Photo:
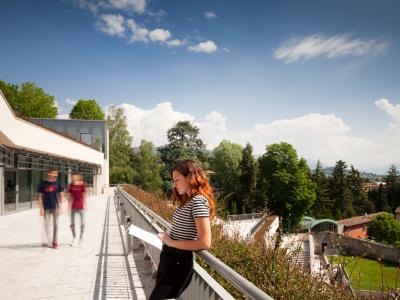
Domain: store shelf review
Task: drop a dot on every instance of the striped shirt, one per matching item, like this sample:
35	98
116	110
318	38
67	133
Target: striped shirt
183	224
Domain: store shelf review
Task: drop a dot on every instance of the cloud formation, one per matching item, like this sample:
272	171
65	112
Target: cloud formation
204	47
138	6
210	15
315	45
112	24
315	136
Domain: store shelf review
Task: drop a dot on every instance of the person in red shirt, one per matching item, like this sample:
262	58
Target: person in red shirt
77	204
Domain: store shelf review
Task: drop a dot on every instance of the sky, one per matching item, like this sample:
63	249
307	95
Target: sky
321	75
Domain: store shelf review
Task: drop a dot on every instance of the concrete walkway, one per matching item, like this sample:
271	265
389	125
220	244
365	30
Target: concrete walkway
97	270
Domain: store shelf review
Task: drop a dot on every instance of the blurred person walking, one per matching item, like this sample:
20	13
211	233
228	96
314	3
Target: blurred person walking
77	204
50	200
190	230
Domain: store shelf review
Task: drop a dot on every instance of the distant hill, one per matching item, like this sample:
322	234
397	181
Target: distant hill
371	176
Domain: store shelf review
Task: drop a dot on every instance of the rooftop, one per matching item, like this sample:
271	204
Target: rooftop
358	220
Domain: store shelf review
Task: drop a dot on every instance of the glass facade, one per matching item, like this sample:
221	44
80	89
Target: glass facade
90	132
24	172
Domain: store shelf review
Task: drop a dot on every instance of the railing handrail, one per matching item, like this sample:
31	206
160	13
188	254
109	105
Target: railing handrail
244	216
241	283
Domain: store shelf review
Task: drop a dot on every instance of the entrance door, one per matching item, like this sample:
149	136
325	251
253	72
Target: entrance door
10	191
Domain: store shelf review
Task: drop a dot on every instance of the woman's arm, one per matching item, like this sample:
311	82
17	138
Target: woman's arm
203	232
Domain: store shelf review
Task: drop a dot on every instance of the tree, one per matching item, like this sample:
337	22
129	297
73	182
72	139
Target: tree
147	164
183	143
33	102
10	91
120	147
385	228
340	194
225	163
392	180
86	110
379	198
361	203
284	179
247	180
322	207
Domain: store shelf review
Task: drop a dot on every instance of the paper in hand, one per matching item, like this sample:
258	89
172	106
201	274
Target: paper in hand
148	237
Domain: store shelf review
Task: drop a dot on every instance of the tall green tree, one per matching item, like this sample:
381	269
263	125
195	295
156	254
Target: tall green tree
392	180
10	91
225	163
183	143
322	207
379	198
120	147
361	203
34	102
284	178
87	110
340	193
247	181
147	166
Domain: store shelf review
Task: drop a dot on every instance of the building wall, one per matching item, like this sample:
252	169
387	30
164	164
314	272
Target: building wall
1	189
352	246
357	231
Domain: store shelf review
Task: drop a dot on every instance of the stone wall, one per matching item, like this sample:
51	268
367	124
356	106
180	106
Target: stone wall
351	246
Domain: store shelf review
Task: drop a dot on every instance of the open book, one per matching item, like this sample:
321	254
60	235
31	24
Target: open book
145	236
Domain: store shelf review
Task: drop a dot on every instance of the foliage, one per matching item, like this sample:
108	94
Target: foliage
273	271
247	182
146	162
340	193
322	207
225	163
284	180
183	143
120	147
392	180
385	228
361	203
87	110
10	91
29	100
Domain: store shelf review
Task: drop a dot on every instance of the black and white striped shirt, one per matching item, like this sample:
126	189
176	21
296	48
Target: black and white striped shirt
183	224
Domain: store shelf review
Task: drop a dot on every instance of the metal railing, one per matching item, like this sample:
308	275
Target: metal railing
202	286
244	217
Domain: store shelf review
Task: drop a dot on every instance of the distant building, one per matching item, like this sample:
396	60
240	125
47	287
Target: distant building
356	227
369	186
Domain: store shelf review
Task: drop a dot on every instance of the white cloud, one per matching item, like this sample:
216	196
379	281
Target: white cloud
152	124
71	101
393	110
112	24
174	43
159	35
210	15
138	6
204	47
318	45
314	136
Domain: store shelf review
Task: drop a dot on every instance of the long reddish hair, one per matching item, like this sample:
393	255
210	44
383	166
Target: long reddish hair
198	183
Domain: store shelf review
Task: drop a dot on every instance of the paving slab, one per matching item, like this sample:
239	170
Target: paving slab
99	269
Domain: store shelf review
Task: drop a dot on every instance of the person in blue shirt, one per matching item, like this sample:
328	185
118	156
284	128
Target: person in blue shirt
50	197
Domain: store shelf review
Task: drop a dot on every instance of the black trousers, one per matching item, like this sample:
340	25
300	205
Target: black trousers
174	273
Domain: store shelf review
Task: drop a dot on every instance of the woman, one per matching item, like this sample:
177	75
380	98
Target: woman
77	198
190	230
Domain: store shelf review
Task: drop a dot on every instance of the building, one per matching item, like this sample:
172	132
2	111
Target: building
28	150
356	227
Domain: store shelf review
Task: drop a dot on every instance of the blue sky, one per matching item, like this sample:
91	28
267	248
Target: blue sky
321	75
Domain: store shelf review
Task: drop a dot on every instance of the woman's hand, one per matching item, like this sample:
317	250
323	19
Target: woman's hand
165	238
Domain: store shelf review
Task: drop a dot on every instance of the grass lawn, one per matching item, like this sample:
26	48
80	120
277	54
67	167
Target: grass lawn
366	274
